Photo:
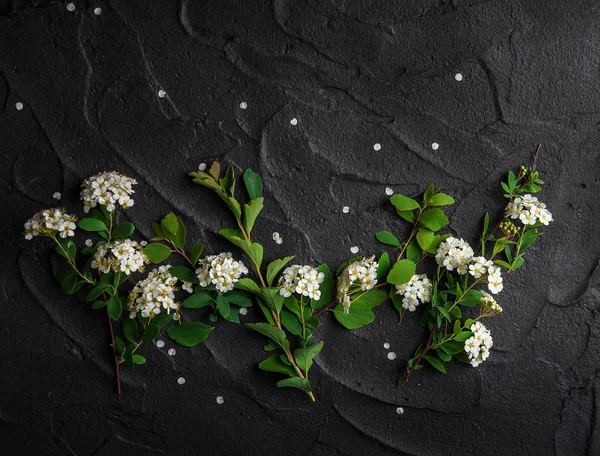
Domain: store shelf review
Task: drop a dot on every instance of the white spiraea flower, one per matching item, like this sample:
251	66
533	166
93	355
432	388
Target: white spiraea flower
221	270
302	280
107	189
478	346
50	222
358	276
120	256
154	294
529	210
489	305
454	254
416	291
495	280
188	286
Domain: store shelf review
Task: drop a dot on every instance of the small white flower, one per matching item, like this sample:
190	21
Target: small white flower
357	276
416	291
529	210
154	295
478	346
50	222
221	270
107	189
454	254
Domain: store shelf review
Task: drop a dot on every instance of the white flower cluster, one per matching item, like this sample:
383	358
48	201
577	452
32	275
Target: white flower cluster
360	275
478	346
480	266
221	270
489	303
416	291
303	280
49	222
453	254
153	294
107	189
529	210
120	256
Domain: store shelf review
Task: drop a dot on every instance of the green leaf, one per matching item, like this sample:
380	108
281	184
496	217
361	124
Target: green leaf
304	356
169	225
69	247
518	262
139	359
251	211
413	251
499	245
252	249
123	230
403	203
385	237
296	382
198	300
327	288
253	183
441	199
371	298
183	273
313	322
157	253
250	285
424	238
396	300
528	238
91	224
119	345
97	305
274	364
429	193
114	308
189	333
409	216
68	279
97	291
129	328
157	230
239	299
228	181
402	272
128	355
275	334
435	363
223	306
444	312
462	336
358	316
275	266
443	355
486	224
179	237
273	299
435	244
512	181
383	265
290	322
215	170
160	320
434	219
233	315
150	332
196	252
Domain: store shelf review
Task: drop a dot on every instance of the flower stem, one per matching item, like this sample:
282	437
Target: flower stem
114	348
73	266
423	353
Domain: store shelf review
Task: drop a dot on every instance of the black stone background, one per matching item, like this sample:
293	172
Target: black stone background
353	74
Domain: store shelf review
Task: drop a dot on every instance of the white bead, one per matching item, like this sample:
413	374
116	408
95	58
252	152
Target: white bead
172	352
458	77
399	410
160	343
389	191
354	249
345	209
57	195
391	355
89	242
220	400
181	380
279	241
162	93
377	146
243	105
435	146
386	345
243	311
294	121
70	6
202	166
98	11
19	105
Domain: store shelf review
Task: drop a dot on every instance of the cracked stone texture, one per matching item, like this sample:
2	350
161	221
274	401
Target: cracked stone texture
354	73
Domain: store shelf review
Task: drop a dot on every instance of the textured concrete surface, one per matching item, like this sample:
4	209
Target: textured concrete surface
353	74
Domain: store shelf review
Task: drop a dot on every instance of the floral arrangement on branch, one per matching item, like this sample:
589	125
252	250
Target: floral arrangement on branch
459	291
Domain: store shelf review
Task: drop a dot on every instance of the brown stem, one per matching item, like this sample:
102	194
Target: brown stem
182	253
401	317
423	353
326	308
112	337
412	234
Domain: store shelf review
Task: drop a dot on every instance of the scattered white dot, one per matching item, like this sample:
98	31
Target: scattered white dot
160	343
279	241
19	105
389	191
458	77
172	352
243	311
345	209
399	410
377	146
143	243
202	166
70	6
181	380
243	105
220	400
435	146
57	195
98	11
294	121
391	355
89	242
162	93
354	249
386	345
